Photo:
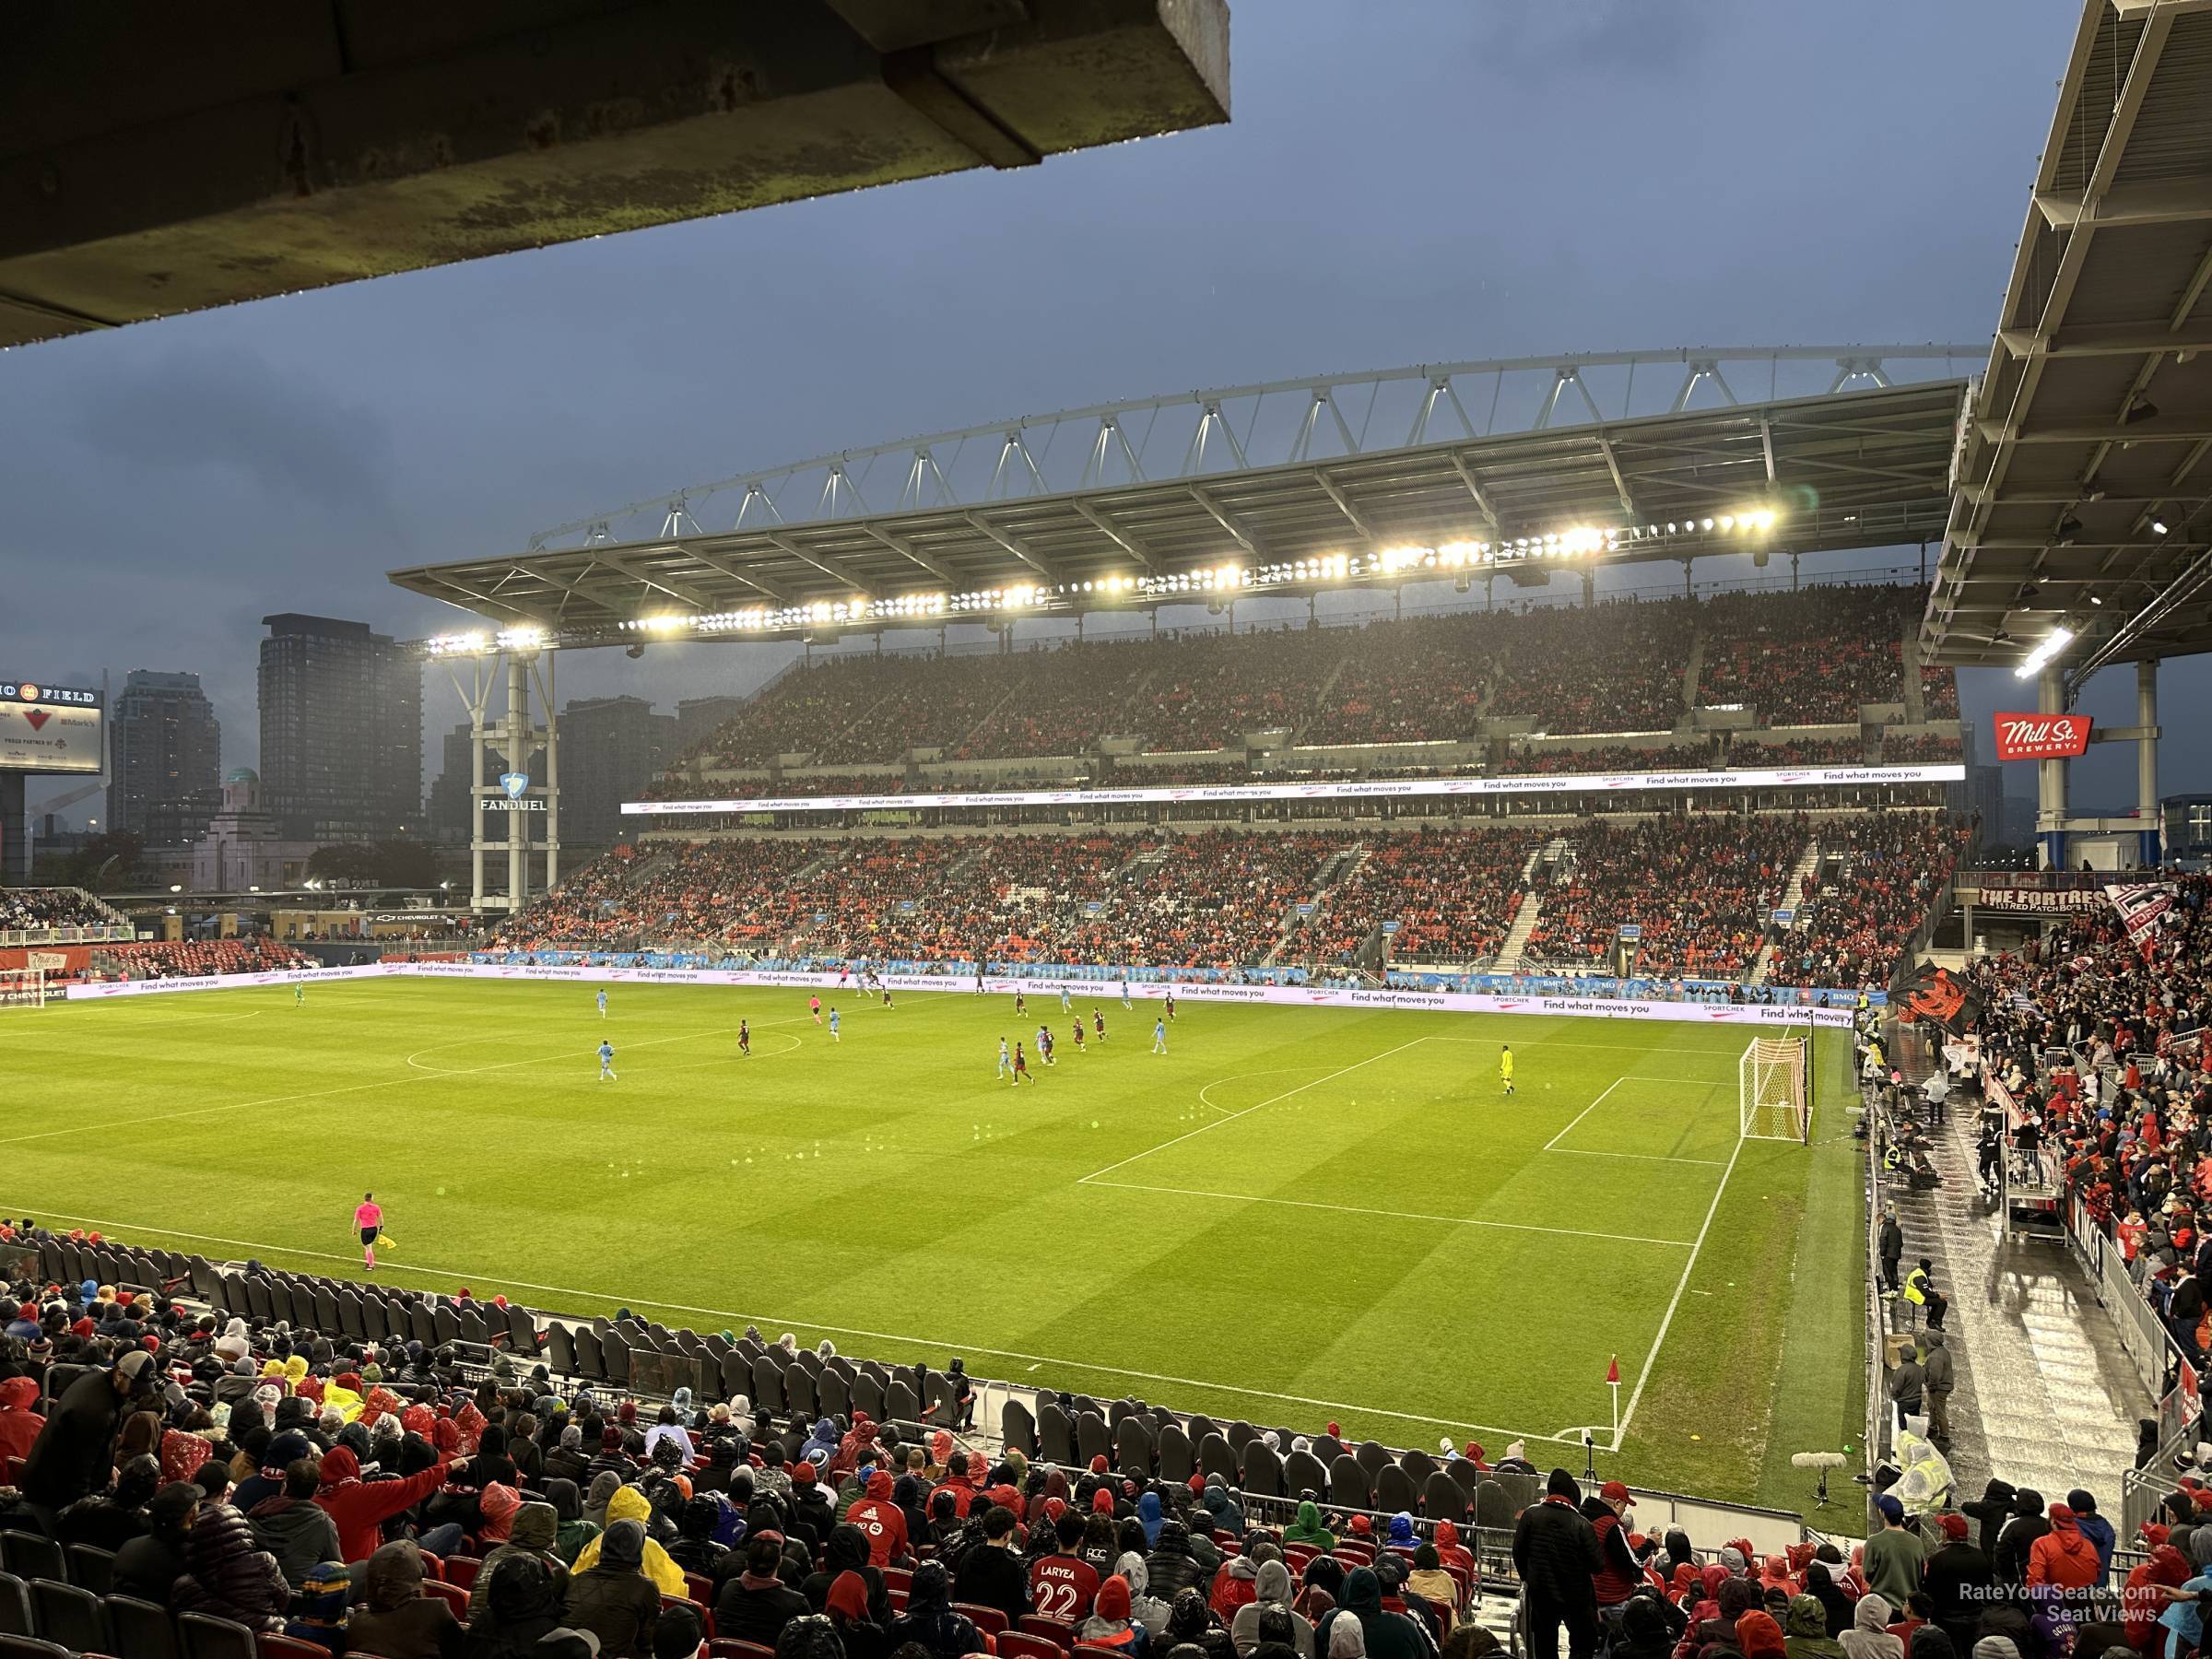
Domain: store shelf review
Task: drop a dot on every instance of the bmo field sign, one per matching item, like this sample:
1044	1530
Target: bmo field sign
49	728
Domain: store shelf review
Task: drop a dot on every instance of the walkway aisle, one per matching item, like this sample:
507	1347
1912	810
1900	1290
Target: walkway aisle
2045	1398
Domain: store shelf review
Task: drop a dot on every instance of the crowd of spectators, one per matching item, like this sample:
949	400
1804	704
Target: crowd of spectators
1922	748
192	959
1453	896
50	907
1616	667
1413	681
360	1497
1621	666
1889	870
2102	1045
1697	887
1219	899
1811	657
1609	758
1748	754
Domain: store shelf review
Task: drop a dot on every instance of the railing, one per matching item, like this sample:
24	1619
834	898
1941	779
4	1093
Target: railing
105	933
1879	1418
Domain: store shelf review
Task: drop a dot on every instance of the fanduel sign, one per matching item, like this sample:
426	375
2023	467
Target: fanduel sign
515	797
2041	736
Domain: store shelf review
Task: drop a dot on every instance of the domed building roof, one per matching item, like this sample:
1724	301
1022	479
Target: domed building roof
241	774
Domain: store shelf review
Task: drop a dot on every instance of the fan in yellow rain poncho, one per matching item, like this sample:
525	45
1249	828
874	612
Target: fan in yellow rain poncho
629	1505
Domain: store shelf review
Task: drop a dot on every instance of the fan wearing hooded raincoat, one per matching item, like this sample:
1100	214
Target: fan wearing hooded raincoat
1925	1487
1870	1637
627	1504
1272	1589
1306	1529
1806	1636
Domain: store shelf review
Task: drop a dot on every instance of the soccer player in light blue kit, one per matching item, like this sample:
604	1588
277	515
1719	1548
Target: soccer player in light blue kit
1005	1060
833	1036
1125	993
1067	1003
1159	1036
602	1001
606	1061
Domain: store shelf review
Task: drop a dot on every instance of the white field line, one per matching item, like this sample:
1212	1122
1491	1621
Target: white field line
1359	1209
1232	1117
446	1275
1271	1071
1552	1144
1652	1358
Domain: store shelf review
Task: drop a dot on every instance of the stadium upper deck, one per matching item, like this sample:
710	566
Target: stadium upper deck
1818	657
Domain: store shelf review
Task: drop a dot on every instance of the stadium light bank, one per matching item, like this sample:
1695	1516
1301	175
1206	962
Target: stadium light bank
2033	662
1206	583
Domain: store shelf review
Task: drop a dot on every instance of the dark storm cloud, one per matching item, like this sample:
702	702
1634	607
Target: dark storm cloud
199	414
1401	184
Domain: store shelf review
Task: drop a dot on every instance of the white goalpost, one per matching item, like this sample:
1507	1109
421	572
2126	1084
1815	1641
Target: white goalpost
1770	1090
22	987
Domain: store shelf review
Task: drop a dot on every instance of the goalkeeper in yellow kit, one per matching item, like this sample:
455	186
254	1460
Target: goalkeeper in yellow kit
1505	1066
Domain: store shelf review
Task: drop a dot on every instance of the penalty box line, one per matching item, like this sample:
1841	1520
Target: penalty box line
1553	1144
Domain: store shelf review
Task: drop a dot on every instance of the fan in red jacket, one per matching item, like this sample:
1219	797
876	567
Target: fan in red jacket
2063	1556
882	1521
361	1507
19	1425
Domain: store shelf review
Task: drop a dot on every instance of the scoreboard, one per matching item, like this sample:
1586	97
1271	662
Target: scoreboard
48	728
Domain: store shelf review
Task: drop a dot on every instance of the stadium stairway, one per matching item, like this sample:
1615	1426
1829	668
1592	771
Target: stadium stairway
2047	1397
1916	701
1802	871
1320	698
1516	937
1693	670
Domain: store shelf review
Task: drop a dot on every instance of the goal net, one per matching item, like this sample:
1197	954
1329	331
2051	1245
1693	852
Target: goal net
1769	1086
22	987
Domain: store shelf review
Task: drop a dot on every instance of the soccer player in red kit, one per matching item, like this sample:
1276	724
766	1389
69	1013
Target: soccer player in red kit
1098	1025
744	1038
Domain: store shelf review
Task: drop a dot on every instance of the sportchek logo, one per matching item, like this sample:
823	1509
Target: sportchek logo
2041	736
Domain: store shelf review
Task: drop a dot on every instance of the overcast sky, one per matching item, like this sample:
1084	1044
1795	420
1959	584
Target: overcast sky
1401	184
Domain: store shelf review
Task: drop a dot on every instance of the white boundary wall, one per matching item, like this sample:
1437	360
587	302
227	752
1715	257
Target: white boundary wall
1439	1002
1377	789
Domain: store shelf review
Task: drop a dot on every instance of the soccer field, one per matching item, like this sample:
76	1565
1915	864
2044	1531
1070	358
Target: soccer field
1294	1215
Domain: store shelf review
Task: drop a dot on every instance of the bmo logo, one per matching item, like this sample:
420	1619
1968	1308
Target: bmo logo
2041	736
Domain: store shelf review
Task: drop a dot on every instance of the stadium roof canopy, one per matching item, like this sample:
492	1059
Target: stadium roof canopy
1281	488
2083	483
158	158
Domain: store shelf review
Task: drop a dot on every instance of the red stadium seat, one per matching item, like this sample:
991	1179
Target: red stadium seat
453	1595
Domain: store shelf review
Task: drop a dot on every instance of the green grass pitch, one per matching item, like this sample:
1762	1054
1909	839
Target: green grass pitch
1295	1215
